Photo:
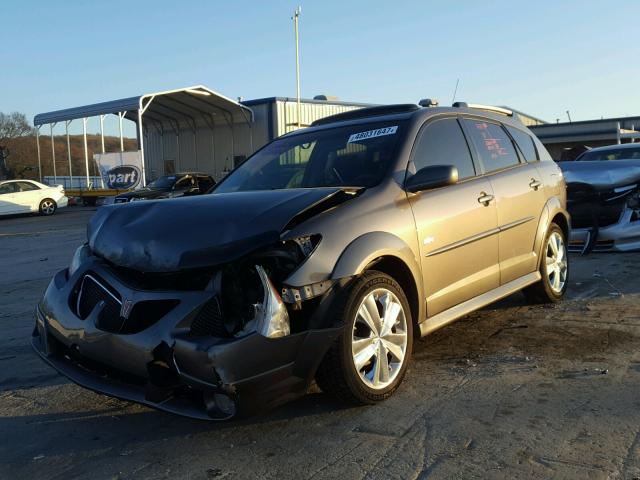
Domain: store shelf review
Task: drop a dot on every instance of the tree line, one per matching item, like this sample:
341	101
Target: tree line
19	154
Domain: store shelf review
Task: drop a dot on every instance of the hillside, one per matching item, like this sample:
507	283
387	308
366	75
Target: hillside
23	153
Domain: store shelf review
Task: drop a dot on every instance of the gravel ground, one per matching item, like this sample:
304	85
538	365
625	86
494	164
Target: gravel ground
512	391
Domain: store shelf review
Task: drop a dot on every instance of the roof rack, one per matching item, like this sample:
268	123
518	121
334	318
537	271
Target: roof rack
367	112
488	108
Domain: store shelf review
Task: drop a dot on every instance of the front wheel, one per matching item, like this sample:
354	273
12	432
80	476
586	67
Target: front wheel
554	269
48	207
368	361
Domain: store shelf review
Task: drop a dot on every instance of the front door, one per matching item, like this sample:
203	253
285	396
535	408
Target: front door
457	224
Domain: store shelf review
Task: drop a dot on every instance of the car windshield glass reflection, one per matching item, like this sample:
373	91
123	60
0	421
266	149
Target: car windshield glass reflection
613	154
163	183
358	156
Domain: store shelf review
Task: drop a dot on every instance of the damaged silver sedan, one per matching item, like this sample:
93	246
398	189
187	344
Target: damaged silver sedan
603	198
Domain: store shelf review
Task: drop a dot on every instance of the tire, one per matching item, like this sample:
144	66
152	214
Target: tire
48	207
337	374
553	285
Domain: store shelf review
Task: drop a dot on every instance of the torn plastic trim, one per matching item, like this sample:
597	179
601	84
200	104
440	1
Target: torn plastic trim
294	295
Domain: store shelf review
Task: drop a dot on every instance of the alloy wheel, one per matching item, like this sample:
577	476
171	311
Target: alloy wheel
556	259
48	207
379	338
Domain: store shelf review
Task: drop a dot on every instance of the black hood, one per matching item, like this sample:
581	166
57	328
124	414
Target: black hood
201	231
602	174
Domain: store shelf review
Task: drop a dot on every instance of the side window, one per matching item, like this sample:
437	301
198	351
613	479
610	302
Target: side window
26	186
525	144
185	182
493	144
7	188
443	143
205	183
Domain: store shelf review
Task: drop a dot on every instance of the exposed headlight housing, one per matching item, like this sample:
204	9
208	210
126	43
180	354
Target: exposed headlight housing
82	253
272	318
307	243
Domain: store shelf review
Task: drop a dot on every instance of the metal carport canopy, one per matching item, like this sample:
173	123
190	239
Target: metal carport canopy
167	108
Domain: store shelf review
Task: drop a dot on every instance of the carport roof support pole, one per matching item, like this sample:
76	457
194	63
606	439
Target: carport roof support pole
38	149
102	140
86	150
120	115
66	128
141	110
53	153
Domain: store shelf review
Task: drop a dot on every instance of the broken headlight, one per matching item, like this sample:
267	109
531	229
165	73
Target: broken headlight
250	287
81	254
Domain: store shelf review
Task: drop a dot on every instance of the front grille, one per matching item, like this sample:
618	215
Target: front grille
144	314
589	208
92	292
600	246
209	321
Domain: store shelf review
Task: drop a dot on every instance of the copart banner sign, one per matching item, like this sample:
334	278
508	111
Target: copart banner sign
120	170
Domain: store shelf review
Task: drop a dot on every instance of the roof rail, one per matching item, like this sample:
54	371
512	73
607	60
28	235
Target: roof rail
367	112
488	108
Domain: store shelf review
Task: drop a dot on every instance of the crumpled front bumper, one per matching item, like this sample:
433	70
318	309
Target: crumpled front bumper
622	236
165	366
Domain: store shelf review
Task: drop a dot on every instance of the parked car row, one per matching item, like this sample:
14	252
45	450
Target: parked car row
322	256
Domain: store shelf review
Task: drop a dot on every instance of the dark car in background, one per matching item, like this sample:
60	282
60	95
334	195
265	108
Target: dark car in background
171	186
603	198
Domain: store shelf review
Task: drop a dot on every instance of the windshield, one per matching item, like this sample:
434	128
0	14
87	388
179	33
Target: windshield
163	183
611	154
358	156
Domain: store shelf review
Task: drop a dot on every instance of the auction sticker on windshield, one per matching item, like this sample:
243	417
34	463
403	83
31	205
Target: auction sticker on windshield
378	132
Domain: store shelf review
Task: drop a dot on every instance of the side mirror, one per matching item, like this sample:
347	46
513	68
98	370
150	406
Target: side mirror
434	176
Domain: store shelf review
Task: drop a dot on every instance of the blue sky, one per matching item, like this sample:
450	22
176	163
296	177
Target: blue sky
542	57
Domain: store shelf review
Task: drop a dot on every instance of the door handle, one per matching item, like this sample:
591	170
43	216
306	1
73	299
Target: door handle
485	199
535	184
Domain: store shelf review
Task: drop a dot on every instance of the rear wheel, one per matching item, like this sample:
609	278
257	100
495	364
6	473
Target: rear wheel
368	361
554	269
48	207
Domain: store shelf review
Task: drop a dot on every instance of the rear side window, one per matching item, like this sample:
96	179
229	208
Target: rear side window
525	144
443	143
493	145
26	186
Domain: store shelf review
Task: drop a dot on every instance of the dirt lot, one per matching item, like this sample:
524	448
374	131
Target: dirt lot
513	391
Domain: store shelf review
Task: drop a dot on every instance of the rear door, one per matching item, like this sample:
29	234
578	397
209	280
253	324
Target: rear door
519	195
28	196
456	231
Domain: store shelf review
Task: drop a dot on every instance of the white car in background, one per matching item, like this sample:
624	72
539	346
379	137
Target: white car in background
25	196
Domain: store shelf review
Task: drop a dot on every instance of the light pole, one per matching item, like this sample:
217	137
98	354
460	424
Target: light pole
296	14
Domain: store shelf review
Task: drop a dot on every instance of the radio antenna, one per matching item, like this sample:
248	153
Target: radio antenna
455	91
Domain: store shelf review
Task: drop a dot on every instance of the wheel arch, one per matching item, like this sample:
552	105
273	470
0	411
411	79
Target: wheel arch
553	212
385	252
